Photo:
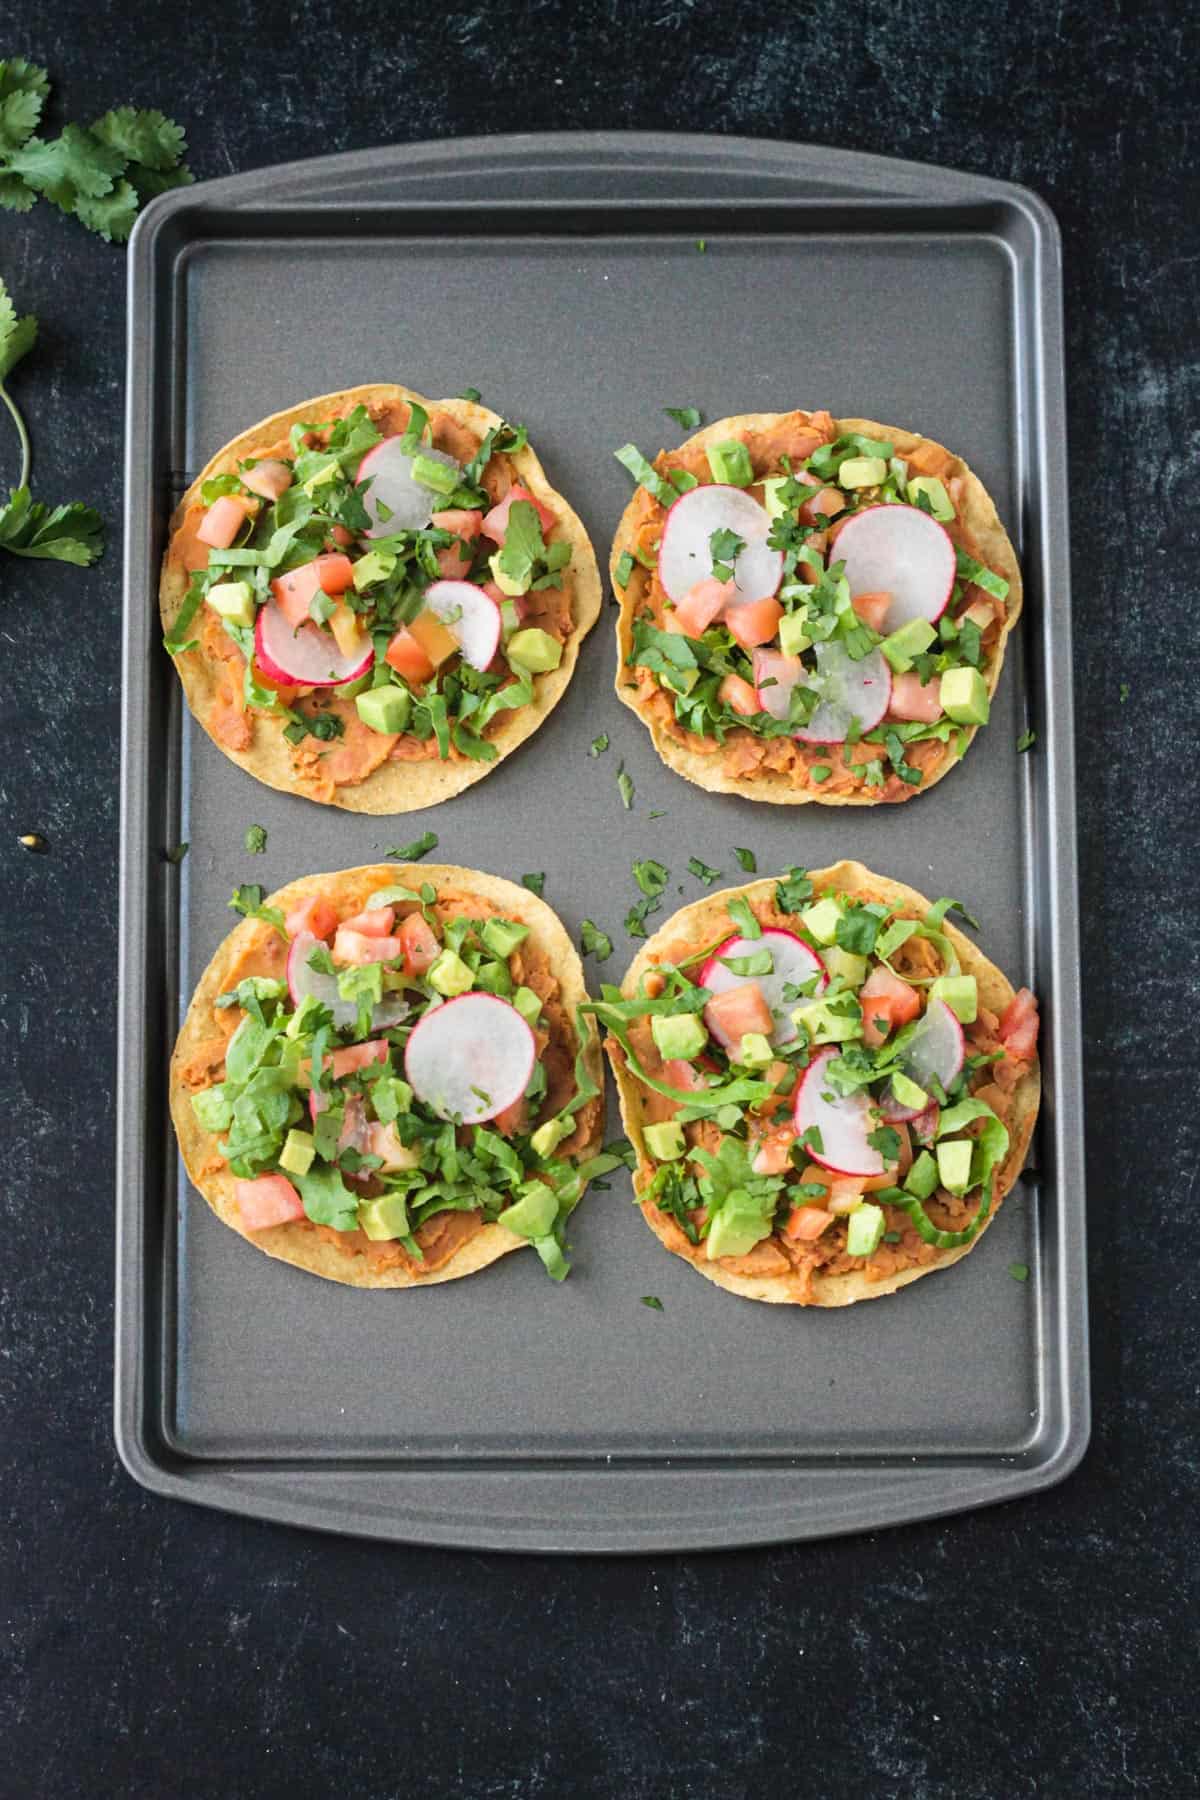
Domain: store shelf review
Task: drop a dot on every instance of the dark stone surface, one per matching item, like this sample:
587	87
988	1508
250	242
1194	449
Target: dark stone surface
1046	1648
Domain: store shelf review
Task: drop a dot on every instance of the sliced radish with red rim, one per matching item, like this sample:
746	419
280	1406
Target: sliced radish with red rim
394	500
307	656
685	555
844	1121
780	673
936	1049
904	552
795	965
302	980
851	690
471	615
471	1058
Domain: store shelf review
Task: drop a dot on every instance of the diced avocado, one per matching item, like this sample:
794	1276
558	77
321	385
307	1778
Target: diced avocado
755	1051
681	1037
527	1004
961	994
830	1021
908	1093
922	1178
964	696
213	1108
730	463
935	493
350	690
508	584
533	1215
793	632
864	1230
502	936
494	978
534	649
821	920
665	1141
232	600
384	708
844	966
907	642
549	1136
862	472
737	1226
771	500
386	1217
954	1164
375	566
450	975
438	477
297	1153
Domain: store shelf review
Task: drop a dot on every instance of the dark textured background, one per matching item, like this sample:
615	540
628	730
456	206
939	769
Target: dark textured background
1046	1648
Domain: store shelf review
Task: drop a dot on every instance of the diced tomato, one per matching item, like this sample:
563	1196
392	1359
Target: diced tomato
981	612
356	947
268	479
739	1010
885	997
914	699
513	1119
738	694
496	523
829	501
377	922
338	534
1019	1025
314	914
754	621
683	1075
456	559
773	1154
223	520
806	1223
872	608
268	1200
436	640
406	656
357	1056
418	943
331	573
699	607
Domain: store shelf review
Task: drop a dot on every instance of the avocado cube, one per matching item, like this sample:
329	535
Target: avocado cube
865	1230
678	1038
907	642
438	477
549	1136
665	1141
450	975
908	1093
954	1164
508	584
862	472
821	920
232	600
730	463
755	1051
775	506
297	1153
384	708
375	566
386	1217
964	697
494	978
961	995
527	1004
935	493
825	1025
533	1215
844	966
535	650
737	1226
793	633
502	937
922	1178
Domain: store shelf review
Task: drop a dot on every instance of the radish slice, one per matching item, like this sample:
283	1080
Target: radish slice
685	557
471	1058
849	690
472	616
895	1111
781	673
924	1127
302	980
843	1120
410	506
305	657
905	551
936	1049
794	964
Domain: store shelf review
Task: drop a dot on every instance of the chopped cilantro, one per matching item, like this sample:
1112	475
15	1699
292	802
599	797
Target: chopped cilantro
739	911
703	871
525	556
472	394
1019	1271
702	245
793	890
886	1139
256	839
1027	740
820	772
598	745
625	784
595	942
413	852
535	883
624	569
177	854
687	416
656	815
653	1302
651	877
724	547
747	860
891	1237
248	900
1125	691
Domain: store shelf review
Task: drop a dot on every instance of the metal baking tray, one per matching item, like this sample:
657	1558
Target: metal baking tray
564	277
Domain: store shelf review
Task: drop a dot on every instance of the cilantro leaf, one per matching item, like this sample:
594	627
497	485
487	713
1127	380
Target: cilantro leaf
1027	740
599	744
686	416
472	394
413	852
256	839
651	877
594	941
703	871
72	534
142	137
64	167
525	556
626	788
535	883
1019	1271
793	890
747	860
17	336
111	216
652	1301
248	900
23	90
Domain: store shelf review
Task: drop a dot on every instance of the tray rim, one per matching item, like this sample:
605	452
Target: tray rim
296	1495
